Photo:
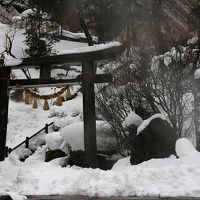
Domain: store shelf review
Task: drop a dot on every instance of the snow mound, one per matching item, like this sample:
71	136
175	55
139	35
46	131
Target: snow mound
147	121
132	119
71	108
53	140
73	134
197	74
184	148
121	163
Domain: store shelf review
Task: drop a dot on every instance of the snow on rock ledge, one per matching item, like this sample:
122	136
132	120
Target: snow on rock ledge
147	121
132	119
73	134
184	148
53	140
91	48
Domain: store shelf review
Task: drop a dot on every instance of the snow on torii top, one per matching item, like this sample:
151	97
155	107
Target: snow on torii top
88	49
9	61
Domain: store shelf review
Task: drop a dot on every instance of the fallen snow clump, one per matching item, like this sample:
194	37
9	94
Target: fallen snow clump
132	119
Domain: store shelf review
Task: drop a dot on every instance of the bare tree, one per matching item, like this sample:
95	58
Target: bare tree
147	86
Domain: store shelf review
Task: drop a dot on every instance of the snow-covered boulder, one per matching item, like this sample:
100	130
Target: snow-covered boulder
53	140
132	119
73	134
184	148
156	139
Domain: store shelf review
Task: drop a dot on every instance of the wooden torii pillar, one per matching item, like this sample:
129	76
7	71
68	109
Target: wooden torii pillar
4	99
88	78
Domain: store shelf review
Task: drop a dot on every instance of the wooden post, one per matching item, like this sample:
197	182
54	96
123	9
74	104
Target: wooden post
6	152
196	89
4	94
89	116
46	128
27	143
45	72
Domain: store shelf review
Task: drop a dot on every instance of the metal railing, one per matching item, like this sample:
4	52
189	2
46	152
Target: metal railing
26	141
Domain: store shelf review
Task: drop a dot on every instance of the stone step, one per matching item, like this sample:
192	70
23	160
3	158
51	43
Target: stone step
43	197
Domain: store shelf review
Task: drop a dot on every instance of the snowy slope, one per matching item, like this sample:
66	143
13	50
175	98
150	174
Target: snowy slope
23	120
19	46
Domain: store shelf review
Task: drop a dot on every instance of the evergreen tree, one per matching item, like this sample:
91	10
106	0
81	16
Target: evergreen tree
107	18
39	39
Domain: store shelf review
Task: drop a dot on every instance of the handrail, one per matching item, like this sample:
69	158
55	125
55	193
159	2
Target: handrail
28	138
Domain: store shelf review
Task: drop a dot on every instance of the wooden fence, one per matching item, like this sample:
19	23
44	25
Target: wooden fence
26	141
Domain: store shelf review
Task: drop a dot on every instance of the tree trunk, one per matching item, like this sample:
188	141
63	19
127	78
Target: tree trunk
85	29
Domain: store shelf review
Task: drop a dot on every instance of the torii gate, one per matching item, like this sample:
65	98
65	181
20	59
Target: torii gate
88	78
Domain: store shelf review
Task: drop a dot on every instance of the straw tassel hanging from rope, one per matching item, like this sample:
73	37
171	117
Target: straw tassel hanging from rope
46	105
47	97
27	98
59	100
68	96
35	105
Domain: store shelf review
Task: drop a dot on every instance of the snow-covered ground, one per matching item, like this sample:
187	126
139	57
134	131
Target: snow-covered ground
157	177
167	177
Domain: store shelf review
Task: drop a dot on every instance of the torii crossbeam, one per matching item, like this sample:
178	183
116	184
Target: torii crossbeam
88	78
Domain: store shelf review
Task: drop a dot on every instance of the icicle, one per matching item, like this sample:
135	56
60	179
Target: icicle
46	105
59	100
35	105
27	98
68	96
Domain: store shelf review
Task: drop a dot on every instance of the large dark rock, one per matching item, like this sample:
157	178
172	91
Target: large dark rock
77	158
157	140
5	197
51	155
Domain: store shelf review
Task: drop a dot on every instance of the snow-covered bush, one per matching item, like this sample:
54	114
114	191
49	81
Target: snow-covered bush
171	84
149	84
